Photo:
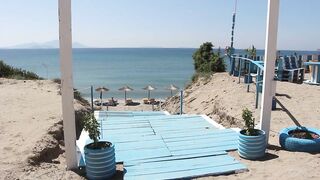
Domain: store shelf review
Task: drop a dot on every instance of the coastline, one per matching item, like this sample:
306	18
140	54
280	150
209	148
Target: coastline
31	126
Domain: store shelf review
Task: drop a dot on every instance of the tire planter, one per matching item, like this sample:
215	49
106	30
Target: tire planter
100	163
297	144
252	147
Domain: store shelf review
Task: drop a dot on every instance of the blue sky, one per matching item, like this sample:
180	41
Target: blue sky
161	23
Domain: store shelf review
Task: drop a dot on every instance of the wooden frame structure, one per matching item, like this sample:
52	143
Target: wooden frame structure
65	37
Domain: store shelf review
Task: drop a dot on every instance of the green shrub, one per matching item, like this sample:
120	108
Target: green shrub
207	61
249	121
8	71
91	125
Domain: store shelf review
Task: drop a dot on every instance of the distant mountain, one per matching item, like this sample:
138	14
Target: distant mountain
45	45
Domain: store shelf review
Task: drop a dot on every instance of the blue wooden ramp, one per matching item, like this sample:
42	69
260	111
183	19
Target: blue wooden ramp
153	145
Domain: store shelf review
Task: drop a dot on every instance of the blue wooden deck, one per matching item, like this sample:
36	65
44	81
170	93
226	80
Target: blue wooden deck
153	145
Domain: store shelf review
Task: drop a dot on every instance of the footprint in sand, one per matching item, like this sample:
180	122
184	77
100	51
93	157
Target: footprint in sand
8	148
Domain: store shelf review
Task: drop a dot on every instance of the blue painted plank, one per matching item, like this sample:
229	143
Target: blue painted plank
128	131
105	134
184	152
133	138
201	141
174	124
182	127
131	155
169	135
200	146
204	136
174	157
192	173
140	145
179	165
185	130
125	126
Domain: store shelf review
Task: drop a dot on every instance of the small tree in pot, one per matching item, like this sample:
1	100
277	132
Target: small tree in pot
251	141
99	155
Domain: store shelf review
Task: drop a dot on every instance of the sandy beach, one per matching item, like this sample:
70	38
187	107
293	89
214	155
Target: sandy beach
32	139
31	133
223	99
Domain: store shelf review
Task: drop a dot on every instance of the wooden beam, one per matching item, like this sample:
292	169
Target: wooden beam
65	37
270	57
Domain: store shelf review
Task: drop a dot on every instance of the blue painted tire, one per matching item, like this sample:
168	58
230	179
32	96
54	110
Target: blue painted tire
252	147
100	163
297	144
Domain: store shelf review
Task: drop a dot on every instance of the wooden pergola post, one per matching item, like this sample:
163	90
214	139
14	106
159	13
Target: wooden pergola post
269	65
65	37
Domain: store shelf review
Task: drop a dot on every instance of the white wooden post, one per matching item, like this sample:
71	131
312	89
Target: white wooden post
67	82
269	65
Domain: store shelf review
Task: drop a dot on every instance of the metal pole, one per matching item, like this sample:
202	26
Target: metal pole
92	98
65	36
181	102
270	57
240	66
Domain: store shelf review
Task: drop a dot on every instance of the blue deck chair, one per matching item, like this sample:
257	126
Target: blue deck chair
297	64
285	71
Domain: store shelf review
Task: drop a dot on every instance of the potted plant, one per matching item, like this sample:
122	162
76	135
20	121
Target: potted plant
251	141
99	155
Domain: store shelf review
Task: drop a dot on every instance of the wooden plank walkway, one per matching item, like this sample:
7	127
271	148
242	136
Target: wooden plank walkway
153	145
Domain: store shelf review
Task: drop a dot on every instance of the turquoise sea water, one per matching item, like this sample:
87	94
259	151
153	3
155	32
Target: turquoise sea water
116	67
112	68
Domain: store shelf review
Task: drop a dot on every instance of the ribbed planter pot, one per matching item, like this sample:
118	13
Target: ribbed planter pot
252	147
100	163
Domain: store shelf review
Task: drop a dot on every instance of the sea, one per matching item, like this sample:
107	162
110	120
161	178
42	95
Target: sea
116	67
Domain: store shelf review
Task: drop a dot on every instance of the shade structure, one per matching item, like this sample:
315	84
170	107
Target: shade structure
149	88
172	88
125	89
101	90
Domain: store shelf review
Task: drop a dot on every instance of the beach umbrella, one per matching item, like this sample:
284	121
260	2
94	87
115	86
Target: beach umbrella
172	88
125	89
101	90
149	88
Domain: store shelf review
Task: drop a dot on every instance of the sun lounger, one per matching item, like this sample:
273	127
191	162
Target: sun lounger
128	101
145	101
112	102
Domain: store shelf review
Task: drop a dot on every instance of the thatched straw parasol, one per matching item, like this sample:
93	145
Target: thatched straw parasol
172	88
125	89
101	89
149	88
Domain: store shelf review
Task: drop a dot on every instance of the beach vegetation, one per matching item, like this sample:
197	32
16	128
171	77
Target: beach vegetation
57	80
252	52
249	122
7	71
91	125
207	61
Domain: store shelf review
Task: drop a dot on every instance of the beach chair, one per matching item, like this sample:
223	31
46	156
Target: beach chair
297	64
152	101
288	70
128	101
145	101
112	102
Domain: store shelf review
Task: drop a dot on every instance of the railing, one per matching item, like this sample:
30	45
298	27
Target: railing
248	65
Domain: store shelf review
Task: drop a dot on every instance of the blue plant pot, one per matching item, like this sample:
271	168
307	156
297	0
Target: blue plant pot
252	147
100	163
296	144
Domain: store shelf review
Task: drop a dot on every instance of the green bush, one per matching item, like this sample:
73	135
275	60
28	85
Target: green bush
206	61
8	71
249	121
